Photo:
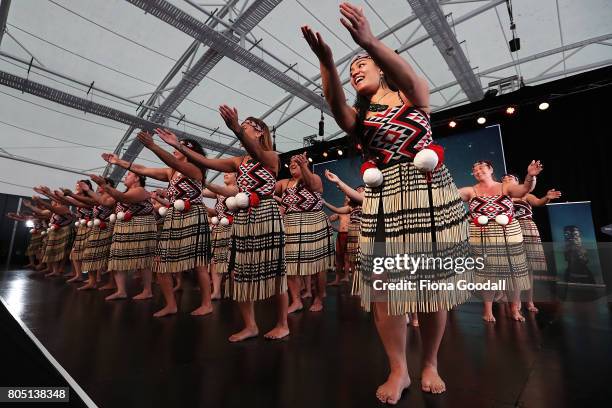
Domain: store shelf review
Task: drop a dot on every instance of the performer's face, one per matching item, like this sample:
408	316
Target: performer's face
178	155
250	131
365	76
77	188
229	178
509	180
482	171
130	179
294	169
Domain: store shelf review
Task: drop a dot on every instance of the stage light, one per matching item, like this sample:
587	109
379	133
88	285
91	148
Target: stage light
310	159
452	124
324	154
358	146
29	224
543	106
510	110
340	152
481	120
286	165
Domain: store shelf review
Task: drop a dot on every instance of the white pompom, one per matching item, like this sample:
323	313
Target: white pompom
179	205
502	219
32	231
231	203
162	211
373	177
224	221
214	220
82	222
43	233
77	223
242	200
97	222
53	227
425	160
113	218
483	220
120	215
90	224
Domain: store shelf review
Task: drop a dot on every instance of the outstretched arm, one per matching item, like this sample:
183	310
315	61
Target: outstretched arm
338	210
222	190
346	189
521	190
539	202
161	174
311	180
185	167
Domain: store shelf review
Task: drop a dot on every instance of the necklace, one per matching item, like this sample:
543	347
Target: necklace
376	107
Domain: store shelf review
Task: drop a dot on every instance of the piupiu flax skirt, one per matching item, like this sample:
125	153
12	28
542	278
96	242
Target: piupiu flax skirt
43	246
221	247
184	241
35	244
95	254
406	215
134	243
257	259
536	260
309	243
80	242
503	252
352	242
58	244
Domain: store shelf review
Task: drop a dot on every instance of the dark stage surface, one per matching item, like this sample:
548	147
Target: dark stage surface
123	357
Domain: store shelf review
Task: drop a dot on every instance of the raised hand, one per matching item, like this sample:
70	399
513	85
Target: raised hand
66	191
167	136
145	138
331	177
110	158
357	24
535	168
59	193
317	45
553	194
300	159
84	186
98	180
230	117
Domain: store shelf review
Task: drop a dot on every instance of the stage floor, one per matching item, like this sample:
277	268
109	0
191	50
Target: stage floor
123	357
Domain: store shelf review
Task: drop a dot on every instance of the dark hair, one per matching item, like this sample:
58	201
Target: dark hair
110	181
489	163
196	147
87	182
511	175
142	180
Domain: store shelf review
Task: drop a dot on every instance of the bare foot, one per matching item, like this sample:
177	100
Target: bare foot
108	286
74	279
532	308
414	323
295	307
345	279
306	295
29	266
317	305
116	295
489	318
431	381
277	333
177	288
215	296
202	310
246	333
335	282
87	286
52	275
517	316
145	294
168	310
391	391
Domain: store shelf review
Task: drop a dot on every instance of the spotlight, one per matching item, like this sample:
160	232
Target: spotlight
310	159
340	152
543	106
358	146
324	154
481	120
510	110
286	165
29	223
452	124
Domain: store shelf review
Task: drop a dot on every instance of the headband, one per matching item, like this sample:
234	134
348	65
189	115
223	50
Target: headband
187	143
254	125
359	56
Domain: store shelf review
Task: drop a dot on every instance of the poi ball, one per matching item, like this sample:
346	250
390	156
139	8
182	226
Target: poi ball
224	221
502	219
214	220
482	220
97	222
53	227
426	160
77	223
373	177
179	205
162	211
83	222
120	215
112	218
90	224
242	200
231	203
43	233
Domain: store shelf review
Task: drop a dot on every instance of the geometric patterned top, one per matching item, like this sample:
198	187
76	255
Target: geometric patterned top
355	215
491	206
61	219
523	210
221	207
300	199
398	133
144	207
102	212
84	212
184	188
254	177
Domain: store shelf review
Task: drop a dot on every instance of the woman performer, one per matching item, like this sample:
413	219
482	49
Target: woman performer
523	212
97	246
183	243
134	236
496	235
257	261
392	125
340	214
35	238
222	229
309	248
